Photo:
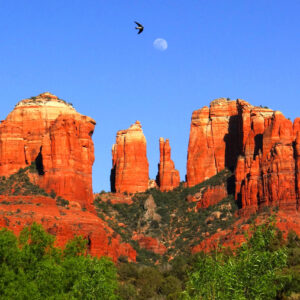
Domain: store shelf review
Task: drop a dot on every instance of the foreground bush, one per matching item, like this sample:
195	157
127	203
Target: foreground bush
32	268
255	272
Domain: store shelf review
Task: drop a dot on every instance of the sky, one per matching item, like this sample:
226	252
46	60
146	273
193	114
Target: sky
89	53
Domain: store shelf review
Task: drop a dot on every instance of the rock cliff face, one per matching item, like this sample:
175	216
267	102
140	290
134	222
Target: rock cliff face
260	144
19	211
51	133
168	177
268	177
130	171
213	143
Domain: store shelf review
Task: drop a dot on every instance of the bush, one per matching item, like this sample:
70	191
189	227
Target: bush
253	273
32	268
62	202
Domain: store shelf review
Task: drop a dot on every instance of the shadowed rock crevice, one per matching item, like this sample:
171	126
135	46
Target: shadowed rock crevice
39	163
258	144
113	179
233	143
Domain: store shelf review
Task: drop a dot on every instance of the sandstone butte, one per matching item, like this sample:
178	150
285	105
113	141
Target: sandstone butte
19	211
261	145
168	177
130	171
50	132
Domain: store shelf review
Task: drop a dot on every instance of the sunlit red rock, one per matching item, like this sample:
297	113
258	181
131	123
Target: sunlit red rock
261	145
168	177
150	243
213	143
50	132
130	172
267	174
114	198
209	196
19	211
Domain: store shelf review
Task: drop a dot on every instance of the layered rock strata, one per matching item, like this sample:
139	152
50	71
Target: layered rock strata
260	144
267	174
168	177
50	133
214	142
130	171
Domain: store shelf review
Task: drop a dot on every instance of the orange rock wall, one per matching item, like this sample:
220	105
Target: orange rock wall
168	177
213	143
270	177
20	211
130	171
49	131
261	145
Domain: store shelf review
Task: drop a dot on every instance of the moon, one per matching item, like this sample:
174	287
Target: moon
160	44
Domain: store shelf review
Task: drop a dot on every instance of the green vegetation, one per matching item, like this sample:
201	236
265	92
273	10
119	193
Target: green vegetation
62	202
265	267
254	272
19	184
264	106
180	226
32	268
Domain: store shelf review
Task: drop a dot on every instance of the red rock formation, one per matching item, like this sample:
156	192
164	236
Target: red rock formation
50	132
114	198
260	144
168	177
19	211
213	143
150	243
208	196
219	134
268	177
130	172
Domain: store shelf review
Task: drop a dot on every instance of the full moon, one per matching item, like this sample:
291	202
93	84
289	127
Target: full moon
160	44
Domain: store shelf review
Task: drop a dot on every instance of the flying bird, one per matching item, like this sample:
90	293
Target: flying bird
140	27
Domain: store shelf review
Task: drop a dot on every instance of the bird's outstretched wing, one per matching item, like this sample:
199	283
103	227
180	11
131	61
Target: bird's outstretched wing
140	27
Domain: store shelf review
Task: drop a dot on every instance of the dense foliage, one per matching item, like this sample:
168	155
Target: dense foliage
32	268
254	272
265	267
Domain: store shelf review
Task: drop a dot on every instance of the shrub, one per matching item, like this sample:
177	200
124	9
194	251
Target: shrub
31	267
253	273
61	202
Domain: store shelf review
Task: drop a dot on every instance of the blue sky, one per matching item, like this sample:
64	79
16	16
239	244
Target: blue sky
88	53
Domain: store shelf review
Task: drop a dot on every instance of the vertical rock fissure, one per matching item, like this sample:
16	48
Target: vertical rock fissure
39	163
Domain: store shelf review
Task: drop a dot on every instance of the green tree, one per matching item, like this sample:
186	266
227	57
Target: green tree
32	268
148	282
252	273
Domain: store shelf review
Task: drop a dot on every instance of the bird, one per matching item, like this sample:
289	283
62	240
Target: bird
140	27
